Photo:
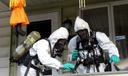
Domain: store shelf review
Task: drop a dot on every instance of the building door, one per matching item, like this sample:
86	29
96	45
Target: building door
43	27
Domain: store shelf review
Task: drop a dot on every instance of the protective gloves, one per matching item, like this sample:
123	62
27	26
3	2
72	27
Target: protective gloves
114	59
74	55
69	67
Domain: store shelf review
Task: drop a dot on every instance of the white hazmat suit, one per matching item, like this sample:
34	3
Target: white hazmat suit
103	41
42	49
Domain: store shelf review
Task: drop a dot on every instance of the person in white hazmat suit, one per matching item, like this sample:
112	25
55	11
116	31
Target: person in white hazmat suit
42	48
89	49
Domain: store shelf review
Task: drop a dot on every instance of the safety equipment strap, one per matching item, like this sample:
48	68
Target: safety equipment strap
93	45
38	70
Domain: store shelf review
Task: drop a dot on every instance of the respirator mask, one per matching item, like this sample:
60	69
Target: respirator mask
84	37
59	48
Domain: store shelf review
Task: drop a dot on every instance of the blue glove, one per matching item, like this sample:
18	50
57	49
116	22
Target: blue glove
114	59
69	67
74	55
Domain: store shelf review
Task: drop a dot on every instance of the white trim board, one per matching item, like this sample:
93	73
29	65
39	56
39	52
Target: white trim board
106	4
53	16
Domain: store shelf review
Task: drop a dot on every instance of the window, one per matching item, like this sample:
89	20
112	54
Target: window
97	19
121	29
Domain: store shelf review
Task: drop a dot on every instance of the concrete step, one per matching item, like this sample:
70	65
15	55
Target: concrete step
119	73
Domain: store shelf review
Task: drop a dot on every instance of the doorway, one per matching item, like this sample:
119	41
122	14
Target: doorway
43	27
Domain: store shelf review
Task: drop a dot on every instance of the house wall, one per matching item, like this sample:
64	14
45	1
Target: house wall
65	8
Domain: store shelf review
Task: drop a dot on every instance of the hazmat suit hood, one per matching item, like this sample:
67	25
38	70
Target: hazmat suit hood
61	33
80	24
